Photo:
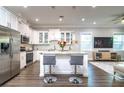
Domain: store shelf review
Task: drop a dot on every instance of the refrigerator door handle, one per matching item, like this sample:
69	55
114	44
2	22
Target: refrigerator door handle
11	54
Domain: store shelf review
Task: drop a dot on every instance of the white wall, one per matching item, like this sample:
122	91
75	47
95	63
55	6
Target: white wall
96	32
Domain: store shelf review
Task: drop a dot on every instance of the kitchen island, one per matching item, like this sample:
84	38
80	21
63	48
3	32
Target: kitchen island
62	63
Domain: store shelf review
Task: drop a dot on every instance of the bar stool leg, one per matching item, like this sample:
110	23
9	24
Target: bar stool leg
75	79
50	79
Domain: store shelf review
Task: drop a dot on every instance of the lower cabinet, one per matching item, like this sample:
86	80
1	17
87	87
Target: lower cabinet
22	60
36	56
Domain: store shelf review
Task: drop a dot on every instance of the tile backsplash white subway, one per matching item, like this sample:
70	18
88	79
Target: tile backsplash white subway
27	46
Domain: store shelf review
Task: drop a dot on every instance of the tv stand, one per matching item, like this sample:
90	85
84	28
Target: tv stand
108	56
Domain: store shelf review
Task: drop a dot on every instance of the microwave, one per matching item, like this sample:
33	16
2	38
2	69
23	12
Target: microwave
24	39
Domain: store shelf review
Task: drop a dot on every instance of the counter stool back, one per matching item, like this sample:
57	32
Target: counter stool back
49	59
75	60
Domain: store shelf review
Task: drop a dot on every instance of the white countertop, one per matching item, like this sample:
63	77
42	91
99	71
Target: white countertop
62	52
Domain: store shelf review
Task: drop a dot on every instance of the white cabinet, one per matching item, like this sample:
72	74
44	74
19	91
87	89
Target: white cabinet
8	19
12	21
23	29
30	36
66	36
35	37
39	37
22	60
3	17
36	55
43	37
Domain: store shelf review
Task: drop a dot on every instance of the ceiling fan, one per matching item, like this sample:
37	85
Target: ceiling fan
118	19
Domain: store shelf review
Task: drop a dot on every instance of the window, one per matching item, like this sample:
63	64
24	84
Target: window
86	41
118	41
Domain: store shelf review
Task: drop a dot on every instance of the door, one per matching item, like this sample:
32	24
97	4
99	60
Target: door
4	56
15	53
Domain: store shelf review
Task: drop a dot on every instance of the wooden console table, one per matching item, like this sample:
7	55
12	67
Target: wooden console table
105	56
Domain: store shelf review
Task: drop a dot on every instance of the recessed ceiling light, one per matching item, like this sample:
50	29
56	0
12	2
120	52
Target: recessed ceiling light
93	6
94	22
61	18
83	19
53	7
73	7
25	6
36	19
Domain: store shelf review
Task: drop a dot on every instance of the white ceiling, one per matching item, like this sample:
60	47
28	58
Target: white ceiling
48	16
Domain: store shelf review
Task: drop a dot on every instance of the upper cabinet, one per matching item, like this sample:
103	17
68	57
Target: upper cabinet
8	19
43	37
3	16
12	21
66	36
40	37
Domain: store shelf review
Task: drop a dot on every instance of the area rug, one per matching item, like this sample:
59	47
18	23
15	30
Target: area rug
108	67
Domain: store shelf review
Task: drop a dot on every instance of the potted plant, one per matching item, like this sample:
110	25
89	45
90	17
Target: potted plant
62	44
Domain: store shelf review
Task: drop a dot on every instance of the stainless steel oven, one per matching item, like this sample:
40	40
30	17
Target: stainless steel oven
29	57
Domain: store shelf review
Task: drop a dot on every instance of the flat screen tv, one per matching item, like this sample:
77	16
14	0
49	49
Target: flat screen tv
103	42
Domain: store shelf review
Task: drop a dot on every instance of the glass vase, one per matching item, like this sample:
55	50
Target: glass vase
62	48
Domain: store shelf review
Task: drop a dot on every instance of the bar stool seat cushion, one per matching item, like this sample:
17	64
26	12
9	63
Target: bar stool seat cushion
76	60
49	60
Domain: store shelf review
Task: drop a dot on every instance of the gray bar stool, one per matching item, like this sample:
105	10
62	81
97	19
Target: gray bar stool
49	59
76	60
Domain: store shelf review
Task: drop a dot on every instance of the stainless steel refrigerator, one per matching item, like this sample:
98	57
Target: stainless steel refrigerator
9	53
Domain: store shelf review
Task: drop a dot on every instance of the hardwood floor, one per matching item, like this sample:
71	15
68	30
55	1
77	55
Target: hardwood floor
29	77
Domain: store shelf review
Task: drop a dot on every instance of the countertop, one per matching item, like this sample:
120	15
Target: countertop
62	52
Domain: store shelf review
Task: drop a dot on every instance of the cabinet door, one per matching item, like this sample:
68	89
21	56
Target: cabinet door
35	37
3	17
46	37
40	37
30	36
22	59
8	19
62	36
13	21
68	37
106	56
